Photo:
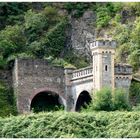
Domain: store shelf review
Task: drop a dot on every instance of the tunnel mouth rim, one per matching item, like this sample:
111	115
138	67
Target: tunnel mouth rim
55	96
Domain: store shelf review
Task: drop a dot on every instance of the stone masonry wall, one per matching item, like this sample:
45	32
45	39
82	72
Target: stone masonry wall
123	76
34	76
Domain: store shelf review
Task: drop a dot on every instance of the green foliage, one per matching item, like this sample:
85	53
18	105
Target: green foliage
134	7
42	34
62	62
135	92
18	55
35	49
45	32
3	63
120	100
36	24
117	18
34	21
12	13
128	44
135	49
123	125
136	108
48	108
109	100
37	30
53	42
7	101
51	15
58	125
122	53
127	34
102	100
12	40
134	58
103	17
72	125
75	59
105	12
77	8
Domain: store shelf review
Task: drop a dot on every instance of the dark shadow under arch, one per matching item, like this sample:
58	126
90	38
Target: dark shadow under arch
83	99
46	101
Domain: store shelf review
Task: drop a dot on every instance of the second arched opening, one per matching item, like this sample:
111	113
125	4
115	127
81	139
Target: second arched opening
83	100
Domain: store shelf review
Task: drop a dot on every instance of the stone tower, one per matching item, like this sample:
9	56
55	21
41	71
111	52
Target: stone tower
103	63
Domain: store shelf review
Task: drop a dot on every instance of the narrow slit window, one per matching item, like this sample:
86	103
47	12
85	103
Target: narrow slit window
106	68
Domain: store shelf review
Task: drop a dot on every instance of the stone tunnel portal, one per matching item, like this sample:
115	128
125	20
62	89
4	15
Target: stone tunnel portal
83	100
46	101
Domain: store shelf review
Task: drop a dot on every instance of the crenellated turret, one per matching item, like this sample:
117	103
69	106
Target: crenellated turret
103	52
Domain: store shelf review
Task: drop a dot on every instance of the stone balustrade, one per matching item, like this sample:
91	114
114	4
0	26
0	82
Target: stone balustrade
81	73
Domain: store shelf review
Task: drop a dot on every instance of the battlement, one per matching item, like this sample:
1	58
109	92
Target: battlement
103	43
123	69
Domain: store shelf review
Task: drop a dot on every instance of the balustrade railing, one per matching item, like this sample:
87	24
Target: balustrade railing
80	73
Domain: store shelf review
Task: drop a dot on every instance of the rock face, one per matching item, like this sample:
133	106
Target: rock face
82	33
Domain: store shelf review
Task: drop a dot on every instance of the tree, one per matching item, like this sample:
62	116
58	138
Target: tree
12	40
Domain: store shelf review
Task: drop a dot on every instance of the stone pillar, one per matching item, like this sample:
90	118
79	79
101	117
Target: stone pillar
68	90
15	82
113	69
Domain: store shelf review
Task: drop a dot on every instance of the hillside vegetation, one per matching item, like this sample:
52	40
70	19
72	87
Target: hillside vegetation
39	30
72	125
7	101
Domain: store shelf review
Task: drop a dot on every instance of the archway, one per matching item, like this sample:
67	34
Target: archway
46	101
83	99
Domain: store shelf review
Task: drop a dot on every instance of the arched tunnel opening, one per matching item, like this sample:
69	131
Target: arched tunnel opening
83	100
46	101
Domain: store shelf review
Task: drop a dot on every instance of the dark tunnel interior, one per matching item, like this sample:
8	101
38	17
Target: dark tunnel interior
45	101
83	100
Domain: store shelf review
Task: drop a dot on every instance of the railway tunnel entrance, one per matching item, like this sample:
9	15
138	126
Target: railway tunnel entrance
83	100
46	101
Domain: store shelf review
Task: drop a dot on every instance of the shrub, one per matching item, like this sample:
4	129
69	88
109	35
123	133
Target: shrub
12	40
3	63
135	92
136	108
48	108
7	101
72	125
103	17
79	8
62	62
120	100
118	18
54	40
103	100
